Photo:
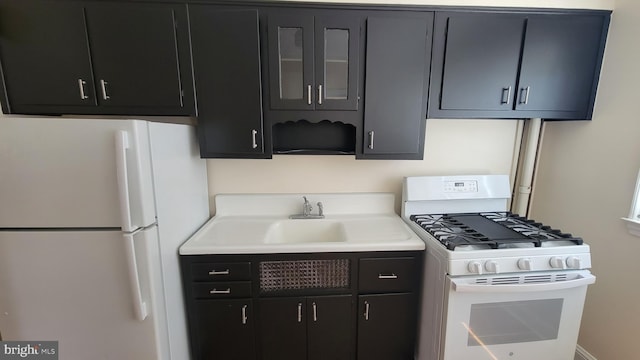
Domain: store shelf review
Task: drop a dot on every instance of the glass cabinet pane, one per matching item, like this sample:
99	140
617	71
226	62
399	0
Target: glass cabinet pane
290	61
336	63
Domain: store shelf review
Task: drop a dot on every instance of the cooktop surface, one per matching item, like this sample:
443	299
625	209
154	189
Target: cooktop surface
491	230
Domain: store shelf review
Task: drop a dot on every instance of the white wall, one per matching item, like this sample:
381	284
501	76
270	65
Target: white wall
586	178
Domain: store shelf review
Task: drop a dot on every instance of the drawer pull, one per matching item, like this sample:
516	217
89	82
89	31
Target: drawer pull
218	272
390	276
244	314
216	291
299	312
366	310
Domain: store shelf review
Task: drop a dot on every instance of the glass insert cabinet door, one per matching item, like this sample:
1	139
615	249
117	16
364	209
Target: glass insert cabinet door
313	62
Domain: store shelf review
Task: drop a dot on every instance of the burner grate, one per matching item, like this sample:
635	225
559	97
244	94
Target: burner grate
491	230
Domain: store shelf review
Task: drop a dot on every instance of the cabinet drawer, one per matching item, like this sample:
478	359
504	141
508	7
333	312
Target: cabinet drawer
387	275
222	290
221	271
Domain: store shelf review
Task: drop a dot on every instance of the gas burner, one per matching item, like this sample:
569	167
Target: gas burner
490	230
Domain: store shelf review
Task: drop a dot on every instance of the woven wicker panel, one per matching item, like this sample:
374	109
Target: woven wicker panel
304	274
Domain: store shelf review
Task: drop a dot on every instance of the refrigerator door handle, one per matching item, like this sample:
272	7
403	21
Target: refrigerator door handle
122	145
139	305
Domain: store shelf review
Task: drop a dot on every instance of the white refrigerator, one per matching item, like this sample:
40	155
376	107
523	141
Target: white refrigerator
92	212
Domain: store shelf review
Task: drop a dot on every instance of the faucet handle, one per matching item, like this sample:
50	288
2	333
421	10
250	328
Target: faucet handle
320	209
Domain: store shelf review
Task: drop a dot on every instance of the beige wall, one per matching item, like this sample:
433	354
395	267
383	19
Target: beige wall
452	147
585	184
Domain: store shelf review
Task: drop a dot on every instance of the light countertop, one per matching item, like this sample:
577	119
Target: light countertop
259	223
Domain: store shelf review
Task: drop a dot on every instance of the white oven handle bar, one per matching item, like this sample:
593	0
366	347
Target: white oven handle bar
459	285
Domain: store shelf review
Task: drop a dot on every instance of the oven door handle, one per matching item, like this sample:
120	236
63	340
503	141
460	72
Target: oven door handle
584	279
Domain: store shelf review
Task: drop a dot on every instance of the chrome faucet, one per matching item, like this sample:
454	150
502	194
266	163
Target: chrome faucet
306	211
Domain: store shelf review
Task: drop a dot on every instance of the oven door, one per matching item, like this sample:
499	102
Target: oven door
514	316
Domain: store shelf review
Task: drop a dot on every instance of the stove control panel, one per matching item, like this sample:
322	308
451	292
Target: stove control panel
501	265
461	186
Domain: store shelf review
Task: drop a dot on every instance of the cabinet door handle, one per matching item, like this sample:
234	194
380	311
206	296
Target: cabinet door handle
299	312
371	134
315	312
309	92
524	99
219	272
506	100
103	86
254	132
391	276
81	84
319	94
366	310
244	315
217	292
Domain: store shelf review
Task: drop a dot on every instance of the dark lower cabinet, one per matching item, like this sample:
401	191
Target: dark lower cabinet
287	312
387	326
226	60
313	328
225	329
396	86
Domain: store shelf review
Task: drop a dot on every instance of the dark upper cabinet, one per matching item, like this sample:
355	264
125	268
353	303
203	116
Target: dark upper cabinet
232	337
134	53
313	60
481	61
226	60
514	65
45	55
560	74
95	58
395	98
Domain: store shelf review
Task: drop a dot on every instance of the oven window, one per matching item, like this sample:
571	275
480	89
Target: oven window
514	322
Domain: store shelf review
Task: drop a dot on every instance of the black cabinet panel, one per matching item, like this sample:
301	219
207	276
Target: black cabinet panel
329	332
380	275
283	328
396	85
386	328
226	60
313	59
482	54
225	329
291	75
135	55
95	58
559	63
336	61
45	55
516	65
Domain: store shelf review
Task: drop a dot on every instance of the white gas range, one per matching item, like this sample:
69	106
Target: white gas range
496	285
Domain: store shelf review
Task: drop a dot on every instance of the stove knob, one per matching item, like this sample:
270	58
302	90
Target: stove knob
475	267
524	264
492	266
557	262
574	262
